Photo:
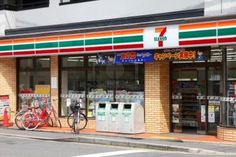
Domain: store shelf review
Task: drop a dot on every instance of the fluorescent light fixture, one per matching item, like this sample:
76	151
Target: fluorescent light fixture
44	59
231	53
187	79
230	49
76	57
213	50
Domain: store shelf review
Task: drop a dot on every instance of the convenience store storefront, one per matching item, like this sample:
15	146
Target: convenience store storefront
61	65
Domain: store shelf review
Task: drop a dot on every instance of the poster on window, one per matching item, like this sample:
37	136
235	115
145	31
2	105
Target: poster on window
104	59
134	56
4	103
175	113
211	114
203	113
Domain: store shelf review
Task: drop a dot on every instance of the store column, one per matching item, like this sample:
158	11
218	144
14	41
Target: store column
8	83
157	114
54	82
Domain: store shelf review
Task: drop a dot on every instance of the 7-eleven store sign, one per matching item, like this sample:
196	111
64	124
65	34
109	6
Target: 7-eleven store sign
162	37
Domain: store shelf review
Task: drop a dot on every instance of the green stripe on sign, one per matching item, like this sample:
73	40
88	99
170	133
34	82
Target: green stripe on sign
46	45
138	38
98	41
71	43
6	48
227	31
23	46
197	34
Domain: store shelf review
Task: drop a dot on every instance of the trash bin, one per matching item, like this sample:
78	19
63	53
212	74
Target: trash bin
114	117
132	118
102	116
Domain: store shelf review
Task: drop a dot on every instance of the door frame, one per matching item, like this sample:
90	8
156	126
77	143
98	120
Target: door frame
205	65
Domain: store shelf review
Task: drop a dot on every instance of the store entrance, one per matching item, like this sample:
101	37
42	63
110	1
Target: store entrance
195	92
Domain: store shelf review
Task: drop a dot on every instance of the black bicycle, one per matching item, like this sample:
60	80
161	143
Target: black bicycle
72	119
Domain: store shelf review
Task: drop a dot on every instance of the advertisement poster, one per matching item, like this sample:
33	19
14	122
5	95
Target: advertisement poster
211	114
176	113
42	89
4	103
203	113
184	54
134	57
54	82
104	59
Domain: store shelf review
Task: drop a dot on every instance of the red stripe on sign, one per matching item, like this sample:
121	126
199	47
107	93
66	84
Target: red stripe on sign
226	40
196	42
98	48
46	51
24	53
133	46
71	50
6	54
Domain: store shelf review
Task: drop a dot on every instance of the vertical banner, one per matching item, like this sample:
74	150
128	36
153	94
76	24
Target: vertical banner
4	103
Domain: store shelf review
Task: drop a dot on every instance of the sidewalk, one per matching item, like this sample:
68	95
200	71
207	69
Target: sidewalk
170	142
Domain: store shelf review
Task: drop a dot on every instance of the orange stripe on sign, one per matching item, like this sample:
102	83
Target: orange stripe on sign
197	26
27	40
74	36
100	34
5	42
227	23
159	29
46	39
129	32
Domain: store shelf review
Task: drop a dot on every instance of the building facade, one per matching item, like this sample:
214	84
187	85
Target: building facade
177	61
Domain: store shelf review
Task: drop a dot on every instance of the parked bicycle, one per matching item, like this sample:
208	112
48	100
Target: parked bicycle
18	116
30	118
27	101
36	116
73	121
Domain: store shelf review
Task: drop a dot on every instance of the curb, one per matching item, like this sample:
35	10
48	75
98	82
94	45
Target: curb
103	141
123	143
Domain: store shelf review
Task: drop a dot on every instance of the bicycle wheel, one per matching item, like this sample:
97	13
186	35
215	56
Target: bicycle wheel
83	121
18	120
70	120
30	121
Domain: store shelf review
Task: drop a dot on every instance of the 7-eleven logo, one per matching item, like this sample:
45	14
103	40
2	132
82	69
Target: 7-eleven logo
161	31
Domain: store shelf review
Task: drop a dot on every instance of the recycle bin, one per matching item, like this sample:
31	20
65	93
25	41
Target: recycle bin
132	118
102	116
114	117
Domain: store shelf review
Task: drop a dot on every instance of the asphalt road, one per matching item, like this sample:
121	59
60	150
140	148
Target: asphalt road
11	146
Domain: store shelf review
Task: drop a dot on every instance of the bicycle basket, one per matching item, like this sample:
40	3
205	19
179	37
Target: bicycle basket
74	108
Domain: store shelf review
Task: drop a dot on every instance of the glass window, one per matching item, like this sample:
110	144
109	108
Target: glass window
98	82
73	61
229	107
215	55
72	88
26	63
34	81
130	83
42	62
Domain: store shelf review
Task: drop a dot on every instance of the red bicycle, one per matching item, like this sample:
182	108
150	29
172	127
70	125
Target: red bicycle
34	118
